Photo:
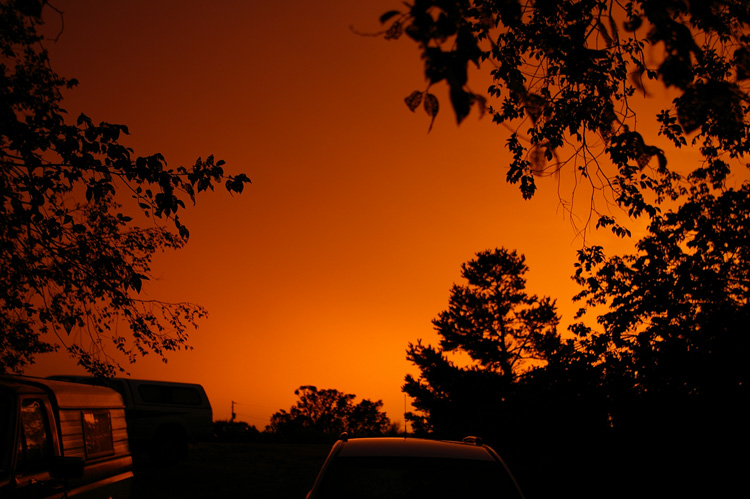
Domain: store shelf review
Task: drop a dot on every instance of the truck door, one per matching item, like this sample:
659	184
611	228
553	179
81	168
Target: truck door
34	451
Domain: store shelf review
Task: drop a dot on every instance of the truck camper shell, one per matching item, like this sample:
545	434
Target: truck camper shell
62	438
163	417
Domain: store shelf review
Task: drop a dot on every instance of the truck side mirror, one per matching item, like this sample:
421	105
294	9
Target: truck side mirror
67	467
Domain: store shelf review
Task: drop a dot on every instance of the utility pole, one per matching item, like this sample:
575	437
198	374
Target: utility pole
233	414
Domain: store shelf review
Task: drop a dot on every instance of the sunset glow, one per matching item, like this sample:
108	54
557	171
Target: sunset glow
345	245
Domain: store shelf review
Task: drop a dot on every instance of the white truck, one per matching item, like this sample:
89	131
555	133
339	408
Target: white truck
60	439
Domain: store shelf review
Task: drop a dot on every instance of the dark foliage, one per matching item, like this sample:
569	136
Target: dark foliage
504	332
671	346
565	75
235	431
653	400
72	258
322	415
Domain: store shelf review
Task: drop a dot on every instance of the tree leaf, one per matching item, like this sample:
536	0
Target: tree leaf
414	100
395	31
431	107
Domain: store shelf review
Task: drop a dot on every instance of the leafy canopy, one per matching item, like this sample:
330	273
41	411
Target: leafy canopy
73	260
676	312
565	75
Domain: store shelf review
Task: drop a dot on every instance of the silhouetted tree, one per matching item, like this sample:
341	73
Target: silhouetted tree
567	72
673	340
325	414
677	311
72	258
504	332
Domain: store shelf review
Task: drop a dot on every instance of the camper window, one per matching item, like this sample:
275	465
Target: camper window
97	432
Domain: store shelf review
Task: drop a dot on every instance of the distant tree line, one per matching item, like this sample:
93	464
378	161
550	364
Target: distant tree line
319	416
235	431
324	414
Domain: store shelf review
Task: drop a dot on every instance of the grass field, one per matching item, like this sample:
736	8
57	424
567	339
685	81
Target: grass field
229	470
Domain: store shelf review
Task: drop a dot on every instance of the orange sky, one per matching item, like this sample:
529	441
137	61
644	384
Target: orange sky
345	246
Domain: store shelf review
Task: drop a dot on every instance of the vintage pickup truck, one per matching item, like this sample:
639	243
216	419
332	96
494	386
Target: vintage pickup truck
61	439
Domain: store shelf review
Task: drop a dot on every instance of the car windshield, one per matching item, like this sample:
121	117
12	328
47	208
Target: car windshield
411	477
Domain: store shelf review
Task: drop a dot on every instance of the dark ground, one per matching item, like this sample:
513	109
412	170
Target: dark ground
229	470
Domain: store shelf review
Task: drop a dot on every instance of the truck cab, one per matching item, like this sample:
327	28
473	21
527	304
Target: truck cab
61	439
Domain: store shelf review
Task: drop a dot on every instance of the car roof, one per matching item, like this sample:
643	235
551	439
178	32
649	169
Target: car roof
413	447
